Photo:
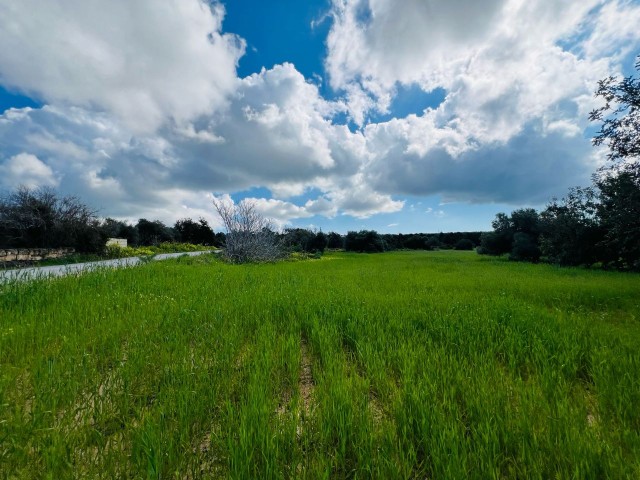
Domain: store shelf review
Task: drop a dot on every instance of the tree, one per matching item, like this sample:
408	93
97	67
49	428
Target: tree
153	232
364	241
416	242
521	230
570	229
464	244
335	240
318	243
118	229
618	212
525	248
40	218
500	240
619	183
620	116
250	236
199	233
432	243
298	239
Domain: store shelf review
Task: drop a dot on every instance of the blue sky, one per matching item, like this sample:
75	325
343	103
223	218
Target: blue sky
336	114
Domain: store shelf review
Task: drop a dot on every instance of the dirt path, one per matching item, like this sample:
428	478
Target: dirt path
306	383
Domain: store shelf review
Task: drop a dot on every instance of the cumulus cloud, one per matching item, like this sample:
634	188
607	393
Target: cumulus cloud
169	173
530	168
380	42
26	169
501	62
146	117
93	156
145	61
518	77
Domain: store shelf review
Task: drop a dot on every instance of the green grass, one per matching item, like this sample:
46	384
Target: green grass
399	365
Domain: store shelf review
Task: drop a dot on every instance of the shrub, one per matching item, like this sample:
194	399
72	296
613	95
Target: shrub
364	241
464	244
525	248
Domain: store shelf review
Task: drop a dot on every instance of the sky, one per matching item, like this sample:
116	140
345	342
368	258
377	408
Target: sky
412	116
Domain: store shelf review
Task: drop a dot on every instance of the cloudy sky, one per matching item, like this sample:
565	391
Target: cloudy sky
419	115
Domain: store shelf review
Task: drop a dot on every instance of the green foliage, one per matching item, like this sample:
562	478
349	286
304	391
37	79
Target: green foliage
114	251
464	244
619	215
335	241
620	116
525	248
525	221
189	231
571	232
117	229
153	232
318	243
401	365
364	241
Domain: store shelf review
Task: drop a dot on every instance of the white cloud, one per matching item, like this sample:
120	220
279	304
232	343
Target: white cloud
145	123
28	170
435	213
518	77
146	61
614	30
122	173
501	62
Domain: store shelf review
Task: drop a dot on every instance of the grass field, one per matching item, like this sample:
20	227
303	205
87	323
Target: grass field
399	365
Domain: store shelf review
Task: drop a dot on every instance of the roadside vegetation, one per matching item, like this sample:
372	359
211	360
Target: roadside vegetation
400	365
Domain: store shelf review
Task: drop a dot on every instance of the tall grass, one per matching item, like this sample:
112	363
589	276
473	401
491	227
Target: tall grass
401	365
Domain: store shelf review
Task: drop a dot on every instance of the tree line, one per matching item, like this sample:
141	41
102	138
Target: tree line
598	224
370	241
41	218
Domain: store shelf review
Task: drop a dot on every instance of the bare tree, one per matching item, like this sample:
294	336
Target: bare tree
250	236
41	218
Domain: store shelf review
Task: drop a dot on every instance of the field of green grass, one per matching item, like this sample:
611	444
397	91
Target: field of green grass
399	365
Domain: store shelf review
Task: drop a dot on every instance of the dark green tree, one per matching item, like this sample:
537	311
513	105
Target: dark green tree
570	230
464	244
620	116
154	232
335	240
364	241
318	243
618	212
190	231
119	229
500	240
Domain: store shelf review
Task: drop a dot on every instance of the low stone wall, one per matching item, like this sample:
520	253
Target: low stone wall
14	255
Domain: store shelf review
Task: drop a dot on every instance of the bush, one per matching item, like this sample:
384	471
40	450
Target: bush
114	251
250	236
494	243
199	232
364	241
525	248
464	244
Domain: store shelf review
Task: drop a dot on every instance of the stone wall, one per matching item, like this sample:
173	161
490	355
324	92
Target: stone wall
13	255
118	242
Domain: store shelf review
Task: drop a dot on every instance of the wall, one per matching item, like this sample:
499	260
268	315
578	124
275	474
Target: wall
32	254
119	242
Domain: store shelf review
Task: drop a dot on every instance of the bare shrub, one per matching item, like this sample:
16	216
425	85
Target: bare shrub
250	236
